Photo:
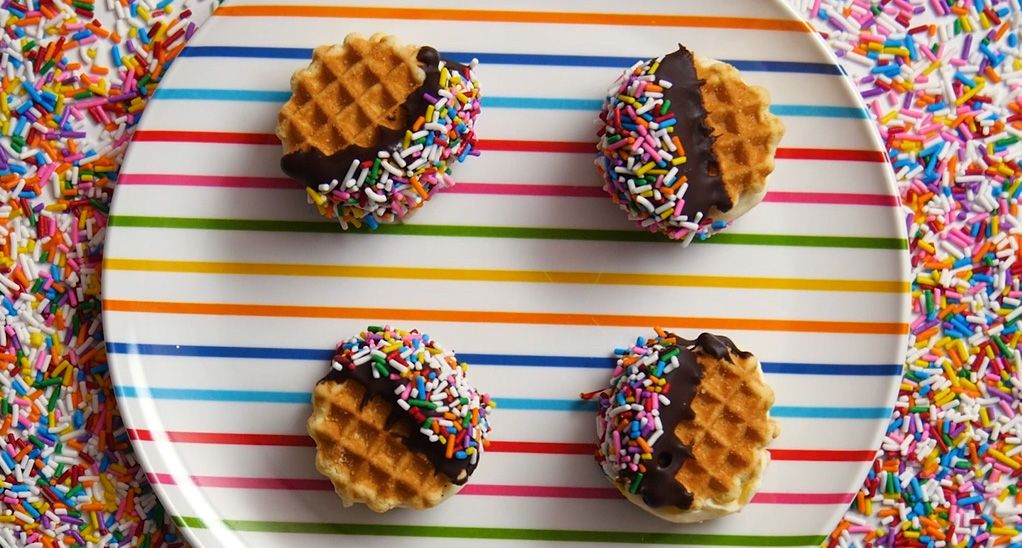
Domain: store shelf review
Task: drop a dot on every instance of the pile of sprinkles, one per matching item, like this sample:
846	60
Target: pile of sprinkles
428	383
943	81
640	156
72	88
403	177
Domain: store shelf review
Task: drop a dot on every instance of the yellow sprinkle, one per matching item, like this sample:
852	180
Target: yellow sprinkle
966	24
980	83
951	375
316	197
641	172
679	160
1005	459
888	117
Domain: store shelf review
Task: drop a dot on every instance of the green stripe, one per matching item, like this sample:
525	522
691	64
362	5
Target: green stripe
535	233
617	537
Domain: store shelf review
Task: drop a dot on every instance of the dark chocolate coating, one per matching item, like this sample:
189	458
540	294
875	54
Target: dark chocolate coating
659	486
456	470
705	187
313	168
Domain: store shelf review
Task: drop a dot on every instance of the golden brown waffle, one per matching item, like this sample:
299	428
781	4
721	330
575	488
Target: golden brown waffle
348	94
728	437
747	134
366	461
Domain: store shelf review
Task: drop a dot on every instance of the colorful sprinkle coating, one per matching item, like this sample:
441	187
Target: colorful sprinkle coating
71	89
943	81
404	176
628	422
430	385
639	156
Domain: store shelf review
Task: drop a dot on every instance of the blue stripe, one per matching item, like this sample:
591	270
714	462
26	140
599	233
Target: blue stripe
199	94
602	61
517	404
520	360
792	412
820	111
196	394
538	103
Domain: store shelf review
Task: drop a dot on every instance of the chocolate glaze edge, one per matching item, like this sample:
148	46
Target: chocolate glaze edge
659	486
706	190
313	168
457	471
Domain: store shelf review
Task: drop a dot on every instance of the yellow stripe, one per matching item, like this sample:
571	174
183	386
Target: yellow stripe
528	276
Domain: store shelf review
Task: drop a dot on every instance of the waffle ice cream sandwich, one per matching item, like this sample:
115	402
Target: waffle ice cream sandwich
683	428
373	127
396	423
685	145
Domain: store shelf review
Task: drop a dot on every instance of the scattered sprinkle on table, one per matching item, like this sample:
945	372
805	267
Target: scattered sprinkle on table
74	82
943	81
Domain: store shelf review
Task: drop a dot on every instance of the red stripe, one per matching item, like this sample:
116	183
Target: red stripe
496	446
483	490
505	145
830	154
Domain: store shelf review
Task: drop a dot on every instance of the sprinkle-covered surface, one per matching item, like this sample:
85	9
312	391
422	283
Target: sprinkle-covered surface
428	383
74	78
628	423
404	175
640	155
943	81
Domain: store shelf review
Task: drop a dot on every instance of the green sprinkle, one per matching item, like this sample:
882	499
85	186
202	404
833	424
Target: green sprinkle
665	107
633	487
422	403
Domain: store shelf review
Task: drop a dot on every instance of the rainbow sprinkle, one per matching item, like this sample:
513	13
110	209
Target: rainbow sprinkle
943	80
640	156
71	90
403	177
430	385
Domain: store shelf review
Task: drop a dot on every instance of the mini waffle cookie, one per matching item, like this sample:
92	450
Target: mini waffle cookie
691	445
372	127
395	422
685	146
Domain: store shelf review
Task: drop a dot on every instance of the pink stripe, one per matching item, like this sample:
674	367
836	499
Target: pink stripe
512	189
496	189
484	490
542	491
830	198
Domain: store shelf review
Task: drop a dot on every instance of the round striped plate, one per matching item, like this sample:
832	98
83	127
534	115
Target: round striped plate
225	292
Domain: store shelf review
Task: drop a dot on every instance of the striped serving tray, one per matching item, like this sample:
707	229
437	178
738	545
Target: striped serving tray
225	292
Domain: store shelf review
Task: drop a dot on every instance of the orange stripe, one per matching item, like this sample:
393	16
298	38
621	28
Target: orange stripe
508	16
477	316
